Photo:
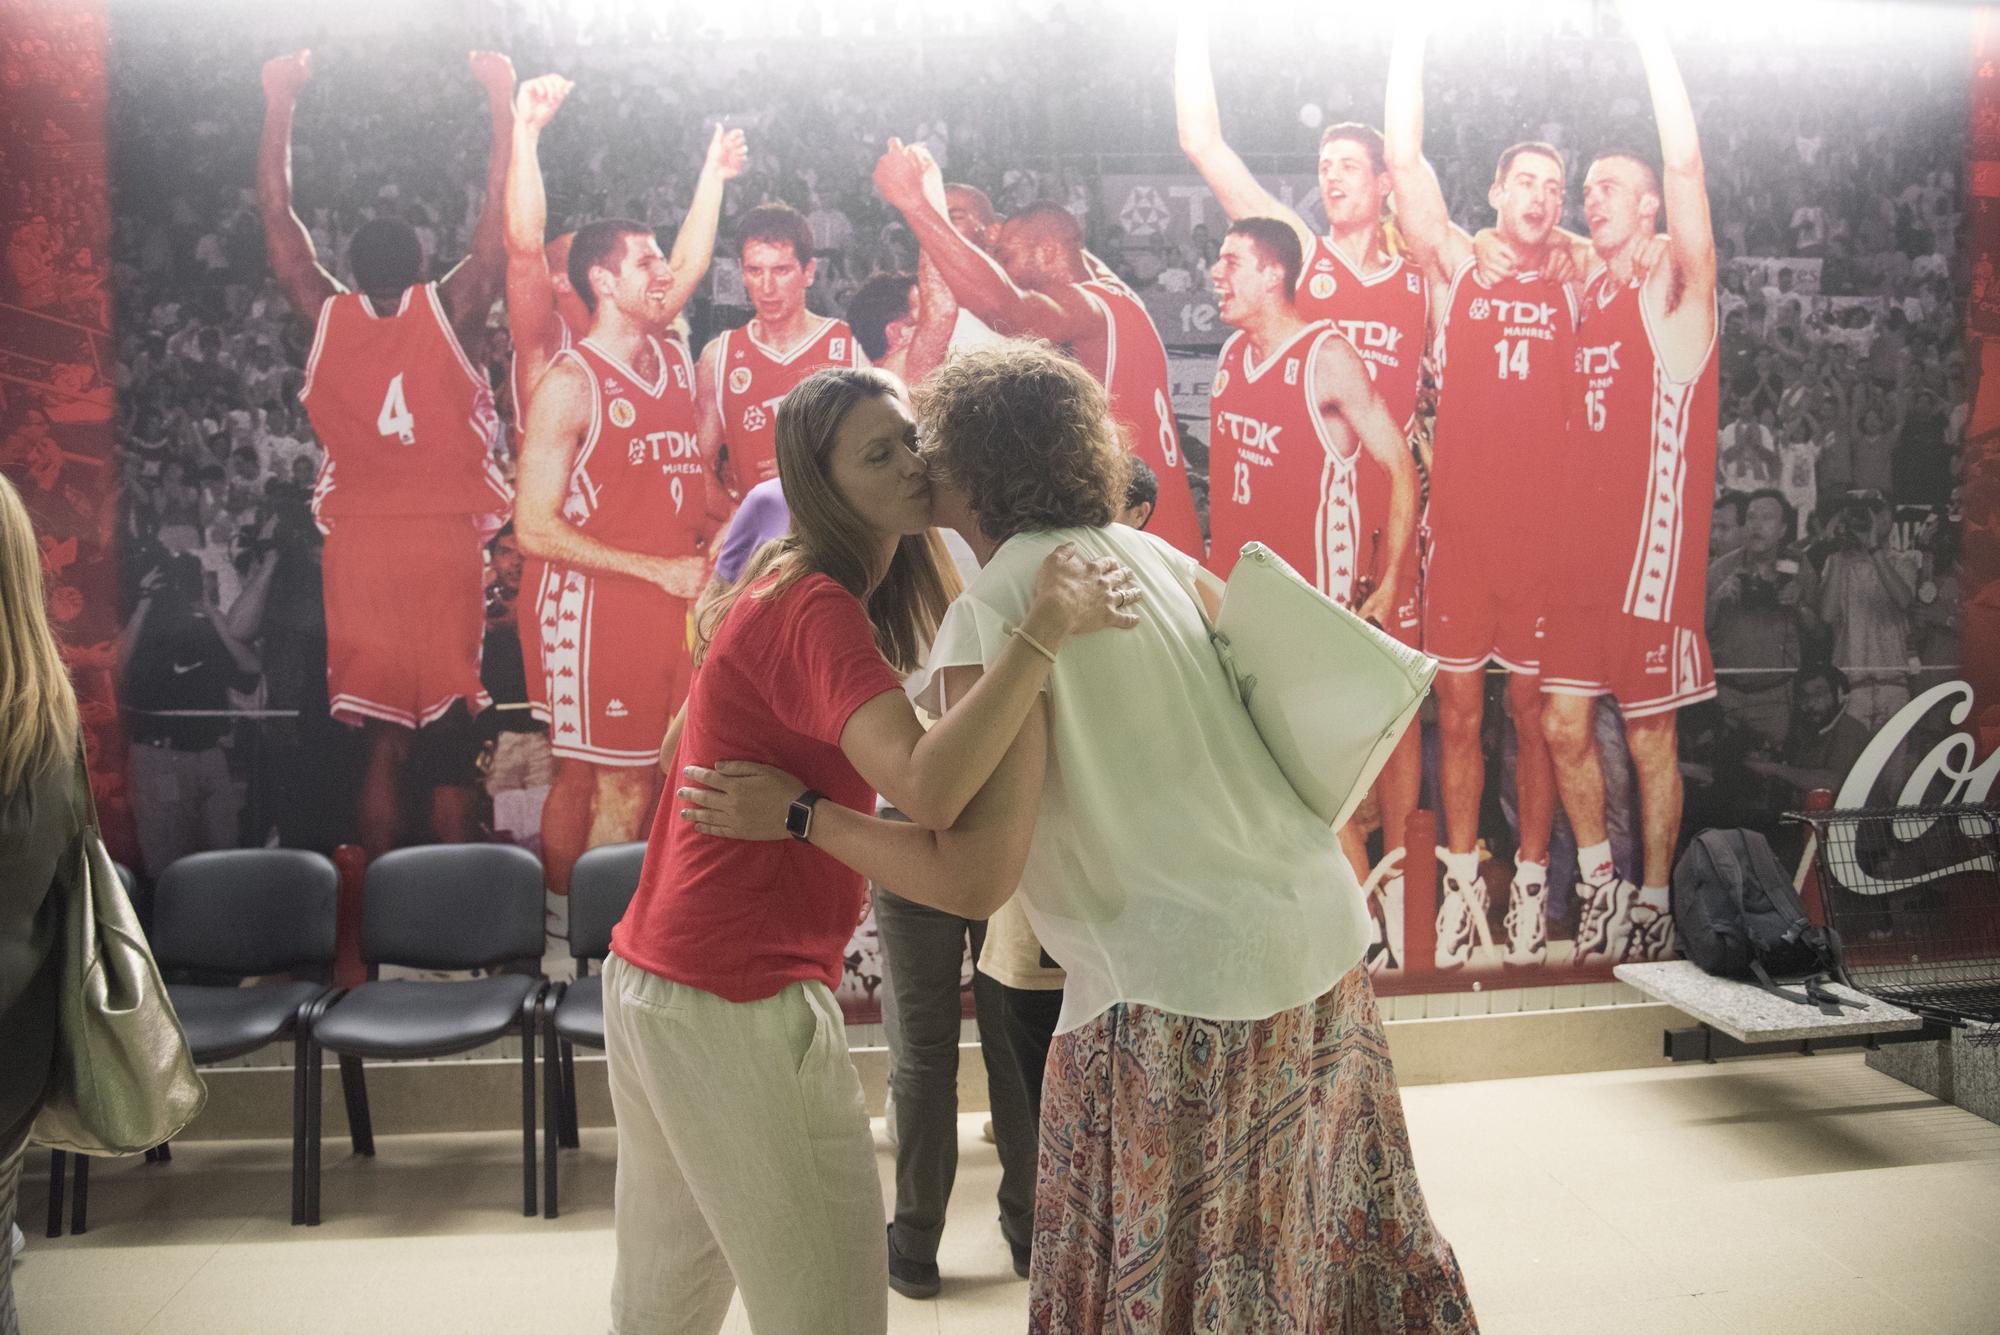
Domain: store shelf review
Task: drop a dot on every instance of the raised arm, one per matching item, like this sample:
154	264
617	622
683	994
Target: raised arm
473	285
976	280
558	418
937	315
293	261
531	292
1421	215
1690	287
1341	384
1200	127
694	244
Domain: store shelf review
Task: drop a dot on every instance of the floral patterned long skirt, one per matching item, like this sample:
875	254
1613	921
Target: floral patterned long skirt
1246	1176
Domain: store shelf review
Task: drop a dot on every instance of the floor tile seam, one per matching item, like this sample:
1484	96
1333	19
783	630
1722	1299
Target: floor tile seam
206	1261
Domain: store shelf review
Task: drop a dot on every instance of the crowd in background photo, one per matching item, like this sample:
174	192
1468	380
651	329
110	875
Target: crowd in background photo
1838	220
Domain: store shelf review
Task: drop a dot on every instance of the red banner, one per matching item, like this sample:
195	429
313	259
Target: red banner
57	359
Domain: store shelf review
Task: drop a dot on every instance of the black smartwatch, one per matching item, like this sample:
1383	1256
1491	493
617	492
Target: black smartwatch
799	816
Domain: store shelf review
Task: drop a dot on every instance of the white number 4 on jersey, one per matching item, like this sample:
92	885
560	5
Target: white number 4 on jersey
395	419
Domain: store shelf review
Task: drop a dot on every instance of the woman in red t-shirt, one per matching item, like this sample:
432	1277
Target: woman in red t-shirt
744	1155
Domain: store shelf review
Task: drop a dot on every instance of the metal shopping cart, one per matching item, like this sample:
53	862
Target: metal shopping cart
1914	895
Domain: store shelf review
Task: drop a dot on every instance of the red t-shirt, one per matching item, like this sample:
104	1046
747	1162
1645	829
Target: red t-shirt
743	919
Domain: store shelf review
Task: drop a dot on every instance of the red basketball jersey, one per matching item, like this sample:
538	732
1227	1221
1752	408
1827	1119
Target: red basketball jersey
755	379
1382	315
1505	361
407	422
1135	375
637	482
1642	453
1281	476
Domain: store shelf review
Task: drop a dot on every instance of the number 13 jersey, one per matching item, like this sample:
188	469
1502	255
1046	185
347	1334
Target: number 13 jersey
406	420
1506	358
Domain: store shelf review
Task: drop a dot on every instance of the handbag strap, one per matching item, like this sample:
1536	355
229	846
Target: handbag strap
1239	683
1194	594
91	824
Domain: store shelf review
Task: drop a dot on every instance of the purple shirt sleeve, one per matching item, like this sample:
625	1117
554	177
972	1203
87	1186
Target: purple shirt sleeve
762	517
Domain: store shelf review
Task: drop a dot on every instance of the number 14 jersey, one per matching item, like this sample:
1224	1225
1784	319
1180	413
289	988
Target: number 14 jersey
1506	355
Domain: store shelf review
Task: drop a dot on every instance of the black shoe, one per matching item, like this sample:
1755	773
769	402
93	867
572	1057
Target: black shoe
912	1279
1023	1254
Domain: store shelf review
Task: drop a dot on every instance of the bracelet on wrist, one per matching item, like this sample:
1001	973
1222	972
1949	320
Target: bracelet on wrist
1021	633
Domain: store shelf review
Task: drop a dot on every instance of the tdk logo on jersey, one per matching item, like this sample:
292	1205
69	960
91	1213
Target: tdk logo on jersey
1250	433
1377	335
658	446
1512	312
1598	360
757	415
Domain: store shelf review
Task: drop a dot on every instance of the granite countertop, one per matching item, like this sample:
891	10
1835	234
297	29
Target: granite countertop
1749	1014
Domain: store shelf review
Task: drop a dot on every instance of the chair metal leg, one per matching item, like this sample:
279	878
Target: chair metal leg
570	1140
300	1055
312	1132
354	1086
79	1195
531	1009
58	1180
552	1103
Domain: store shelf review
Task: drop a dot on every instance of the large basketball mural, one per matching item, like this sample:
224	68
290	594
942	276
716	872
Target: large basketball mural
1632	371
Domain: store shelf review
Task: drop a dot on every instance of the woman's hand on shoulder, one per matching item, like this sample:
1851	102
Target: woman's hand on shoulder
1080	596
738	799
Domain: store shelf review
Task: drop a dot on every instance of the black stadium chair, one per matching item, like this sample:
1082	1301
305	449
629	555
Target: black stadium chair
443	906
600	889
238	913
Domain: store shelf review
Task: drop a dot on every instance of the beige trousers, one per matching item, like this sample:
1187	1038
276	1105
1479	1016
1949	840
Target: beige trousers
744	1161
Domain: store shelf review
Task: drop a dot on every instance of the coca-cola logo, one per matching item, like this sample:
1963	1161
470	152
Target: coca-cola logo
1950	773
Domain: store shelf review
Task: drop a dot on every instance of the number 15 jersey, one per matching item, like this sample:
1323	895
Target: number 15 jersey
406	420
1506	357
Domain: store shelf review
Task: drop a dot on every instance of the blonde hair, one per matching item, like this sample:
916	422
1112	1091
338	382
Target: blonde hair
905	602
38	715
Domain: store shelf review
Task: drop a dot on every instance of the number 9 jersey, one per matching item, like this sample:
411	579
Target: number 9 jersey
406	420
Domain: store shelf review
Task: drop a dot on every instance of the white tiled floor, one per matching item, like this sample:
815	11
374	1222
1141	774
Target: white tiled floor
1809	1195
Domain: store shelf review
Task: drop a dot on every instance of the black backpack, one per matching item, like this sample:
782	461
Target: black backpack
1737	916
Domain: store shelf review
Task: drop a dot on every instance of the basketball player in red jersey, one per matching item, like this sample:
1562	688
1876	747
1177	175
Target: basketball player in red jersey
745	373
613	499
1358	276
546	316
1641	459
1355	275
409	488
1343	514
1505	352
1039	284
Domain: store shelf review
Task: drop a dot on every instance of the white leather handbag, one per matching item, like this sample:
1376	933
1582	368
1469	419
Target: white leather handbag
1329	693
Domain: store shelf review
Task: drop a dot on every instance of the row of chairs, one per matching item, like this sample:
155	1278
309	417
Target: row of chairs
270	914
